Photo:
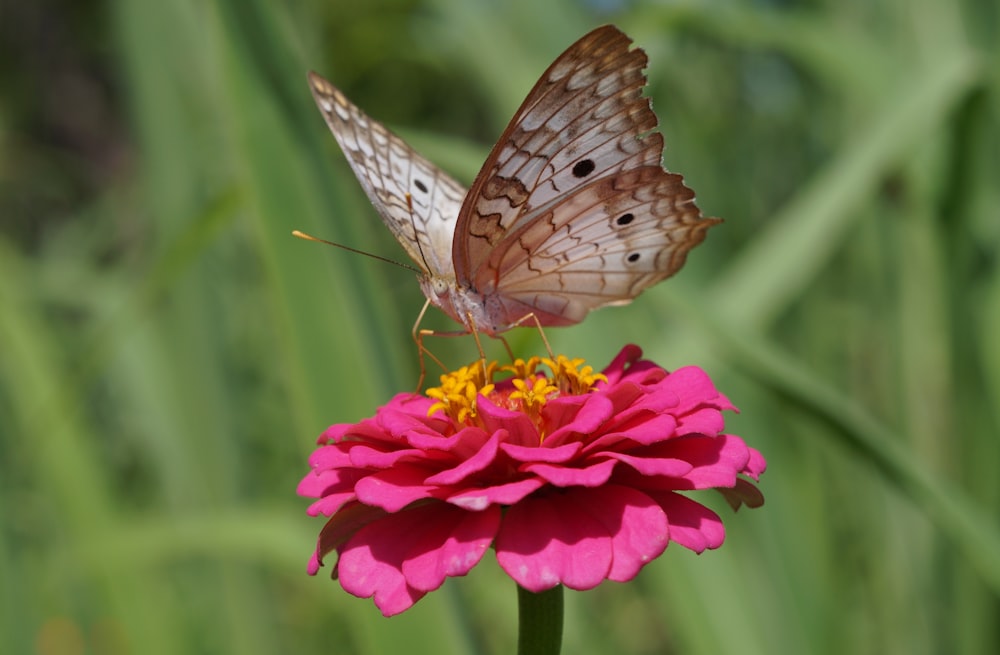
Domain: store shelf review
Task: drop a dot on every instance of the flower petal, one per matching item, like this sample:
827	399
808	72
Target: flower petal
756	465
394	489
474	464
590	475
502	494
692	525
461	444
616	370
340	528
549	540
453	541
665	466
575	419
519	428
636	523
370	563
546	453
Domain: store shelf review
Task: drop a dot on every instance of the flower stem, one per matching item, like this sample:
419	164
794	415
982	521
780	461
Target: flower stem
540	619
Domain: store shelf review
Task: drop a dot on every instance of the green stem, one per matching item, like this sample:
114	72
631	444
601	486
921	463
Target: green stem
540	619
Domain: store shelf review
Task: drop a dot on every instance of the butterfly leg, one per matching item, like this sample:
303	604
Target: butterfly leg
479	345
538	325
506	346
418	338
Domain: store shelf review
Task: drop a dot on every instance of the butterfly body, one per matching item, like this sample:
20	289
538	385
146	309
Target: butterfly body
571	211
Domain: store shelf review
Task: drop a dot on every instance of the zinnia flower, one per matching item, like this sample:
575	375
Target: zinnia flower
572	477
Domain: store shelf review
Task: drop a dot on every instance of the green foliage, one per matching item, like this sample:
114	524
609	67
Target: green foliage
169	351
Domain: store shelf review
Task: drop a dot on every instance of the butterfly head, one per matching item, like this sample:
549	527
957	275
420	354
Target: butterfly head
475	311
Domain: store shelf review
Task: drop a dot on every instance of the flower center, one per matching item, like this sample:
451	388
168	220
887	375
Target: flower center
525	389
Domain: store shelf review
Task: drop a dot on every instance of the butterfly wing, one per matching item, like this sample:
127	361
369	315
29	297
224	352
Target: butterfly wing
602	245
538	226
417	201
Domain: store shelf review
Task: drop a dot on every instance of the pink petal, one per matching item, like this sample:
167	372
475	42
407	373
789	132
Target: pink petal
692	525
636	523
340	527
652	428
394	489
370	563
314	565
650	400
328	457
692	386
476	463
367	457
756	465
329	505
716	460
316	483
519	428
623	394
595	410
333	488
452	542
398	425
550	540
616	369
501	494
592	475
461	444
337	431
666	466
543	453
705	420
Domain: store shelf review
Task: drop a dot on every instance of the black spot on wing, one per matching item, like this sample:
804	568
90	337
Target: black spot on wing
583	168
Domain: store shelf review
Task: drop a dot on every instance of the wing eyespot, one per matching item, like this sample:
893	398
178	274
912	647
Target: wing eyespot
583	168
420	185
625	219
634	257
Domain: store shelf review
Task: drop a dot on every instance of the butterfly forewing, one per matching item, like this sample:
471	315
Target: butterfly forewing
585	119
417	201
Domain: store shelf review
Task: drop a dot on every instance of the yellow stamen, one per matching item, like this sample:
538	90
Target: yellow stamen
570	378
522	369
459	389
532	398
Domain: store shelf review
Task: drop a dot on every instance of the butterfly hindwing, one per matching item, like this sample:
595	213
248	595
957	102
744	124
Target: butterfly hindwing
602	245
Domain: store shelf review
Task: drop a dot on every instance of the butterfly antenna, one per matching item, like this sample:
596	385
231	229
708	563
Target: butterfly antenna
309	237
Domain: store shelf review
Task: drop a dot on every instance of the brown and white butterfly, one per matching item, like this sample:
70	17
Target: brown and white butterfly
571	211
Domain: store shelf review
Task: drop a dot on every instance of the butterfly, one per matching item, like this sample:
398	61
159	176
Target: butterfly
572	210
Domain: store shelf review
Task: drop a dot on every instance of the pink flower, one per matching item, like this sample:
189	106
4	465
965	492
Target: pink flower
572	478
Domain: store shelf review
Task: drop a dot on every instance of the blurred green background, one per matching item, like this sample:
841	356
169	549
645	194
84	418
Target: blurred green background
169	352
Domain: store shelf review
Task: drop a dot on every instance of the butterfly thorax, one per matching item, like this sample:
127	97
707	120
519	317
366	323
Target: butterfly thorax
490	312
463	304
